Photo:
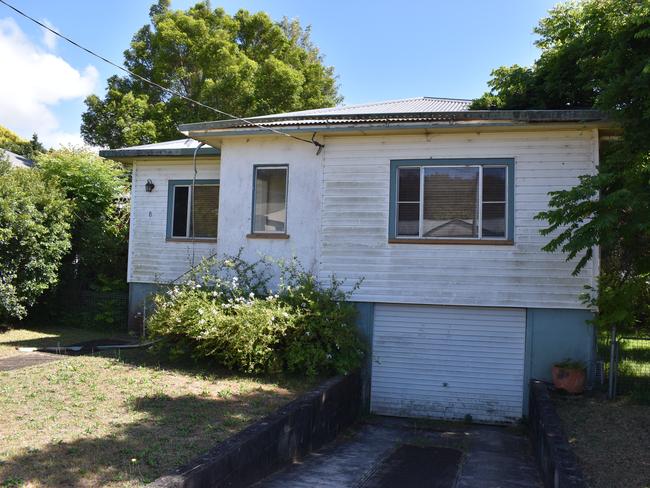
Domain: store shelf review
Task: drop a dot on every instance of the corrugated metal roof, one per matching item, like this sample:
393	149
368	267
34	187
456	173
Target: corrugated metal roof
179	147
394	113
16	160
406	105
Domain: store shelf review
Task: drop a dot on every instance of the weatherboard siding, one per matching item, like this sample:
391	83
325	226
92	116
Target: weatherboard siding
152	258
355	211
239	156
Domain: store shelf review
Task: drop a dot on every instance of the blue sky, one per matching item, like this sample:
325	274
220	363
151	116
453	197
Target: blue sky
380	49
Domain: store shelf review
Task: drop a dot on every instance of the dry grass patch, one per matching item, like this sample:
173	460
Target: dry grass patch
611	440
120	421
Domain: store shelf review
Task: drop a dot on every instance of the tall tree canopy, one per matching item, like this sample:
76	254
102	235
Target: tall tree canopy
245	64
596	53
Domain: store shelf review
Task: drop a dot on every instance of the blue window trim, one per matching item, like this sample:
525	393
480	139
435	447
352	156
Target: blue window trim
507	162
170	202
286	200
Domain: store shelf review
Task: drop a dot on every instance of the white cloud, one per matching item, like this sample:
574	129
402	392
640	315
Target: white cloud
49	38
34	81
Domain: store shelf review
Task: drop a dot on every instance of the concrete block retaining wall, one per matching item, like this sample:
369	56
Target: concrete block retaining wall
277	440
557	462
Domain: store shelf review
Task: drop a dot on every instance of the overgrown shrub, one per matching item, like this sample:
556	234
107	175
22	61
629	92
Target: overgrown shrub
226	311
96	188
92	277
34	237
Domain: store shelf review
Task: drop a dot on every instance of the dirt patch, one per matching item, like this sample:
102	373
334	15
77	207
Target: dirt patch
18	361
11	339
610	439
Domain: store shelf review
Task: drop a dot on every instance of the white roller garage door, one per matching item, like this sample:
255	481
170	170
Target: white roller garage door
448	362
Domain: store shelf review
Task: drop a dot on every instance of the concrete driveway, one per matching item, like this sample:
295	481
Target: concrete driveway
387	453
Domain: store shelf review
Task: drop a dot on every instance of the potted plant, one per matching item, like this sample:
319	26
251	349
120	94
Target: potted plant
569	376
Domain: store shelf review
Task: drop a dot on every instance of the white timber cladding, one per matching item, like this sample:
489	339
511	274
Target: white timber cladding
153	258
448	362
355	212
239	156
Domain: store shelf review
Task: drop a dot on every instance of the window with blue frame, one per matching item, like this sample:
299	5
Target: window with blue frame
452	199
193	209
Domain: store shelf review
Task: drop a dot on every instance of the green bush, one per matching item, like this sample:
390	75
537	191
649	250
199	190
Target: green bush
96	188
34	238
92	276
227	312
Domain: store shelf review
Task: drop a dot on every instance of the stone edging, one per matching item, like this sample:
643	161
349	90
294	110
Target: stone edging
555	458
293	431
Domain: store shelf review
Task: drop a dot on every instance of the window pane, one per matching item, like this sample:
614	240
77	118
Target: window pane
206	210
450	202
409	185
179	218
494	184
408	219
270	200
494	220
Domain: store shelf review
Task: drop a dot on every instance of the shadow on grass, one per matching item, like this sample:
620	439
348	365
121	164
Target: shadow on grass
58	337
173	431
206	369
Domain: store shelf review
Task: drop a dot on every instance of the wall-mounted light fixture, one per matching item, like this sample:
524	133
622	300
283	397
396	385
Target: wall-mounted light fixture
149	186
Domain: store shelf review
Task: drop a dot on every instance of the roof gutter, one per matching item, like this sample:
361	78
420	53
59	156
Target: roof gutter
205	134
152	153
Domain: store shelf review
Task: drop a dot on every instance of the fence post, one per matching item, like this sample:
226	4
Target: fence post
613	365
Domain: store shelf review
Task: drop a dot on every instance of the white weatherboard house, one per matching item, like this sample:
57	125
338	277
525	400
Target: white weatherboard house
430	203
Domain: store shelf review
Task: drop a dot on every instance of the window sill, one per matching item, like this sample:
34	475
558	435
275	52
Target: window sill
186	239
267	236
476	242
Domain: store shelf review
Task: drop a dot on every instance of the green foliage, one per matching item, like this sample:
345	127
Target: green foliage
92	278
5	164
570	364
596	53
12	142
245	64
96	189
34	238
227	313
324	338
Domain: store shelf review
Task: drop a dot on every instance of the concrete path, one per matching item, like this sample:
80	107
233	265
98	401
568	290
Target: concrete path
25	359
492	457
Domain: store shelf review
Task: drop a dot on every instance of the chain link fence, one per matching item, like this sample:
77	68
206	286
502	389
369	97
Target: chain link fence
84	308
630	374
633	369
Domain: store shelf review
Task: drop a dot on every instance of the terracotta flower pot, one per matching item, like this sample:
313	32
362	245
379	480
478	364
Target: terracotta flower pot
571	380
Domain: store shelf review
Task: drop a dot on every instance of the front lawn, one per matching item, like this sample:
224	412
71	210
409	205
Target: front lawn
117	419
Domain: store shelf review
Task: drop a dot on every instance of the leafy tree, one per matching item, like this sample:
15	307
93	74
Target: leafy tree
35	147
596	53
245	64
16	144
34	238
96	190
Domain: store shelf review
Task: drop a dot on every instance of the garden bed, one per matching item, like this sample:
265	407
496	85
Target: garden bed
610	439
118	419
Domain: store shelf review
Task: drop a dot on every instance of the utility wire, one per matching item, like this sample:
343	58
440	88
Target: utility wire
161	87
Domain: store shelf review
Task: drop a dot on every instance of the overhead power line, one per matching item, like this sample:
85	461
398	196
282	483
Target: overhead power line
159	86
